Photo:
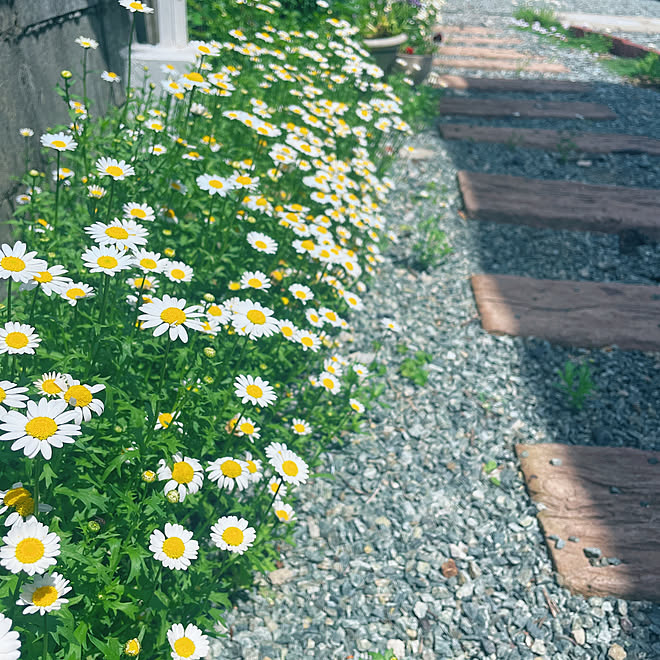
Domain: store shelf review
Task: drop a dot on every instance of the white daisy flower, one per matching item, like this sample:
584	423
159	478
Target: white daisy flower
314	318
87	42
290	467
253	319
81	398
111	77
261	242
244	181
21	501
228	472
255	471
300	426
29	547
276	487
18	339
17	264
254	280
275	448
72	292
10	642
301	292
106	259
136	6
187	643
52	383
356	405
177	271
233	534
329	382
175	548
165	420
245	427
308	340
123	234
117	169
155	125
50	280
59	141
46	425
204	48
254	390
11	395
142	212
149	262
214	184
330	316
185	476
44	594
170	314
288	329
390	324
218	313
284	512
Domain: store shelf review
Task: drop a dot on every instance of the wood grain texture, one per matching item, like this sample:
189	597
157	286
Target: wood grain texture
500	65
579	503
465	29
560	204
476	40
524	108
581	314
535	138
513	85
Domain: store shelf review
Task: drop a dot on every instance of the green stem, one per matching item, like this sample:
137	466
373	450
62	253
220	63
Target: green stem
44	652
9	282
162	371
57	188
37	479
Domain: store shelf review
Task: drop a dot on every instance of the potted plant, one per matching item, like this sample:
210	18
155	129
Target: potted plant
415	59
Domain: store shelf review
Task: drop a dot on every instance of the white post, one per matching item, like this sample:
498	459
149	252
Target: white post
172	47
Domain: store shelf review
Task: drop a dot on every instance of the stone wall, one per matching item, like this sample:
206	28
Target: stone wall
37	41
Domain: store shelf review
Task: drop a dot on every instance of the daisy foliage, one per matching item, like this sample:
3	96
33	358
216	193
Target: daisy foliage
175	299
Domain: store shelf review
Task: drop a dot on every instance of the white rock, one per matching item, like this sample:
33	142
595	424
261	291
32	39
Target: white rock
617	652
280	576
420	609
397	647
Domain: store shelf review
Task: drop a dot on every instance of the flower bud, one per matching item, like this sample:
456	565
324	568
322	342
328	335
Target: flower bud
148	476
209	351
33	172
93	526
173	496
209	297
66	74
132	647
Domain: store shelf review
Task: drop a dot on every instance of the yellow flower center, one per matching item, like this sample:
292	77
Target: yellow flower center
173	316
13	264
287	331
43	277
16	340
30	550
233	536
174	547
147	263
307	341
216	183
107	262
231	469
252	467
214	310
41	428
300	428
136	5
44	596
81	396
142	283
132	647
182	472
117	232
177	274
282	514
244	180
24	506
114	170
3	395
254	391
262	201
75	293
307	245
59	144
14	495
184	646
260	244
290	468
194	76
327	382
255	283
156	126
256	317
165	419
193	154
138	213
204	49
246	427
331	316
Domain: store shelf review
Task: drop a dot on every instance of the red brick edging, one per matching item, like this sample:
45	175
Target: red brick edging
621	47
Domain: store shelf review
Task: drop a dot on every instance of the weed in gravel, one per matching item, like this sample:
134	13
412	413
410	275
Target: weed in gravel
576	383
432	245
413	368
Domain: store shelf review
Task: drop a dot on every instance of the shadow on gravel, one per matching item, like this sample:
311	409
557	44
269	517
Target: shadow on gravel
622	407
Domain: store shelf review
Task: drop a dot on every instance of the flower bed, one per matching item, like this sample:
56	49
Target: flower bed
169	346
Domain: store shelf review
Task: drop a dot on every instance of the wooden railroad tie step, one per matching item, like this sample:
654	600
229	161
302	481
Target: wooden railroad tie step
536	138
467	29
476	40
525	108
477	51
512	85
599	501
500	65
561	204
579	314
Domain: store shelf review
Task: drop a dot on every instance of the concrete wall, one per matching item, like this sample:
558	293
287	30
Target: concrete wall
36	43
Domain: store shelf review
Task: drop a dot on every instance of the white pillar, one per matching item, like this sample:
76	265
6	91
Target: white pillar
172	47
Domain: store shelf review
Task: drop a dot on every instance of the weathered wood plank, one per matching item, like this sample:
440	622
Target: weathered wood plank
535	138
500	65
491	53
476	40
561	204
512	85
579	502
581	314
524	108
466	29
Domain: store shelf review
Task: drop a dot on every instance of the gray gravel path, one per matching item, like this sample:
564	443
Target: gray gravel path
410	492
